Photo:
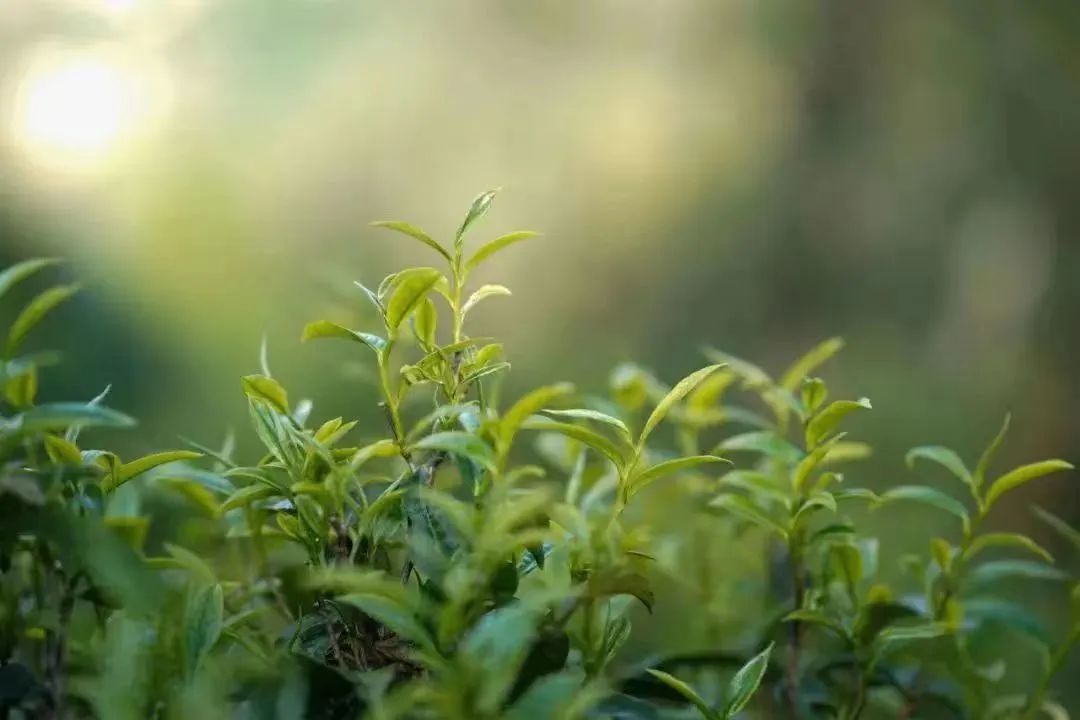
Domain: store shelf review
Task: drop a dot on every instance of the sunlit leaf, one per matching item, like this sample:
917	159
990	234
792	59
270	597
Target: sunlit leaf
926	496
644	478
267	390
744	508
493	246
824	422
413	232
793	377
943	456
131	470
1022	475
34	312
485	291
410	288
676	394
1007	540
18	272
326	329
480	205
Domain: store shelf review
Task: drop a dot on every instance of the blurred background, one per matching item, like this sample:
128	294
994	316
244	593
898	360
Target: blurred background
755	176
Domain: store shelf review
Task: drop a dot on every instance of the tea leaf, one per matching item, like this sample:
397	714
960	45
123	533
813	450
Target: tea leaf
527	405
424	323
130	470
992	540
246	495
893	638
202	624
822	424
686	691
485	291
396	616
413	232
267	390
326	329
745	509
926	496
459	443
644	478
18	272
1062	528
60	416
582	434
793	377
745	683
490	248
595	415
410	288
943	456
1022	475
480	205
676	394
990	452
33	313
990	573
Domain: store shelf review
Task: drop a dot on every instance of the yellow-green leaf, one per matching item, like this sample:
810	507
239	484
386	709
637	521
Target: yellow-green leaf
1013	540
326	329
268	390
1022	475
822	424
990	452
18	272
676	394
493	246
792	378
410	288
485	291
413	232
529	404
480	205
641	480
33	313
130	470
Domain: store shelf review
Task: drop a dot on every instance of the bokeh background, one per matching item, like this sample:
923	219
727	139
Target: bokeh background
755	176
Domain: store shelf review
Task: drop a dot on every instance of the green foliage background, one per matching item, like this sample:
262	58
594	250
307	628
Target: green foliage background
754	176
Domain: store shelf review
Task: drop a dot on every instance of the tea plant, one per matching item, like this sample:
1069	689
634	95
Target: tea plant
420	567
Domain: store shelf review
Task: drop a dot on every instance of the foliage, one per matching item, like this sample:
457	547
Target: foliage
424	571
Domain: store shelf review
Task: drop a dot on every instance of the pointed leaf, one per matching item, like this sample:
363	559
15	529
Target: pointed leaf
60	416
943	456
396	616
1022	475
459	443
410	288
480	205
990	453
822	424
686	691
588	414
926	496
130	470
676	394
326	329
202	624
744	508
268	390
15	274
413	232
493	246
793	377
529	404
640	481
1062	528
485	291
1008	540
582	434
745	683
33	313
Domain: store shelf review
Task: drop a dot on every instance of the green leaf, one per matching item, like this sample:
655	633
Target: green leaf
326	329
812	617
813	394
202	624
1013	540
480	205
485	291
642	479
943	456
893	638
493	246
1022	475
60	416
410	288
676	394
130	470
765	442
247	495
686	691
459	443
990	574
529	404
495	649
15	274
267	390
61	451
744	508
413	232
395	615
425	322
745	683
927	496
793	377
583	435
822	424
595	415
1062	528
33	313
990	452
616	581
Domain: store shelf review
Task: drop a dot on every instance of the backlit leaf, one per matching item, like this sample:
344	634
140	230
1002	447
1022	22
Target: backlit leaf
485	291
18	272
493	246
745	683
267	390
413	232
676	394
409	289
1022	475
130	470
326	329
480	205
33	313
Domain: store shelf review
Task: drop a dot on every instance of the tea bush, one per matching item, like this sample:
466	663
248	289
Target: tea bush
427	572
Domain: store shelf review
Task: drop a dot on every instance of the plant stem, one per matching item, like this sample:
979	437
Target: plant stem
794	639
1056	661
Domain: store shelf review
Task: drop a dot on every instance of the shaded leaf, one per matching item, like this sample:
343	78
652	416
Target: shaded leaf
686	691
745	683
18	272
943	456
1009	540
34	312
459	443
202	624
793	377
926	496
